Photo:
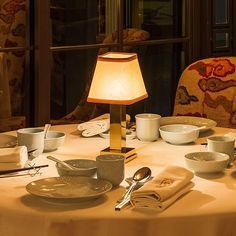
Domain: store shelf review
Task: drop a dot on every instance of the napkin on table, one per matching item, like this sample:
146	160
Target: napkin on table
164	189
13	157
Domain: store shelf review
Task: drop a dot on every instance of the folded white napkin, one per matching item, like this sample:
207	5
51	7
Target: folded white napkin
13	157
164	189
92	128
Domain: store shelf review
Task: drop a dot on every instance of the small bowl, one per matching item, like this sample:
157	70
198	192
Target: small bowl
207	162
85	168
179	133
53	140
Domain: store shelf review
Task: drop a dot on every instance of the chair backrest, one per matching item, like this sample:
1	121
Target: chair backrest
129	35
207	88
5	104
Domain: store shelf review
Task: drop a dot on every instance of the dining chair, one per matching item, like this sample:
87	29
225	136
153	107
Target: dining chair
7	120
207	88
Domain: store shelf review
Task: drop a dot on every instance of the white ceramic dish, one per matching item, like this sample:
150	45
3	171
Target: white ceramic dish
53	140
191	120
85	167
179	133
7	141
206	162
69	188
129	135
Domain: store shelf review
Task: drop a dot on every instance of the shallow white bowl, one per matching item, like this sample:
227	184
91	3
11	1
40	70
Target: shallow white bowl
84	168
53	140
179	133
207	162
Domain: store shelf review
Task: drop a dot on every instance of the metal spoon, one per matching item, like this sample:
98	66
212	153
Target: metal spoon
68	166
140	176
46	129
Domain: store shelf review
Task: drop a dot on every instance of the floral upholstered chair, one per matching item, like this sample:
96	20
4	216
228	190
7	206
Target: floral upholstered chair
207	88
12	94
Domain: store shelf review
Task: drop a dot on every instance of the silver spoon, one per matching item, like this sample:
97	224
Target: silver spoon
68	166
46	129
140	176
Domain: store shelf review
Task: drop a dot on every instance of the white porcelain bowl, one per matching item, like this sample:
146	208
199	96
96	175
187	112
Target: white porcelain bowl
179	133
53	140
85	167
207	162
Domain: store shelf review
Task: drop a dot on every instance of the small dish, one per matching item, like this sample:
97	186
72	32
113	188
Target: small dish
84	167
130	134
53	140
7	141
207	162
179	133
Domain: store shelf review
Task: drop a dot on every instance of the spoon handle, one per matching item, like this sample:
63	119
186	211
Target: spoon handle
131	189
128	192
123	203
61	162
46	128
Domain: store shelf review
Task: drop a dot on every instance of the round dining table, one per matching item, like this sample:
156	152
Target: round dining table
209	209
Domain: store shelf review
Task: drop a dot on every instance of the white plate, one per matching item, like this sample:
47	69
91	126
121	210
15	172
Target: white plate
191	120
7	141
69	188
129	135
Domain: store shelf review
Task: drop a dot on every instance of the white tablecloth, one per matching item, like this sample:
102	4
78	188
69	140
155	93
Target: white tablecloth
208	210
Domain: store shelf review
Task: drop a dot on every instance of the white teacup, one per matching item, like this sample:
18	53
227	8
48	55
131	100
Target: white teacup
223	144
32	138
147	126
111	168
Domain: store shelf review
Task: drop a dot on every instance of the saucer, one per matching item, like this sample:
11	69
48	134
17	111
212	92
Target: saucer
7	141
130	134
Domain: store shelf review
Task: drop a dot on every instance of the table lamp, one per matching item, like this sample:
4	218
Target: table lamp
117	81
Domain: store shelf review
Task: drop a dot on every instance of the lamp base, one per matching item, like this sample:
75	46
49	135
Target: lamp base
128	153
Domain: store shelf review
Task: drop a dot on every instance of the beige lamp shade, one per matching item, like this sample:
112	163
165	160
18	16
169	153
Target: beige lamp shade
117	79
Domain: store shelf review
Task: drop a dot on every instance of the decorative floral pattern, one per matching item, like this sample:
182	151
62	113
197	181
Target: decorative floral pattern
12	31
212	84
217	67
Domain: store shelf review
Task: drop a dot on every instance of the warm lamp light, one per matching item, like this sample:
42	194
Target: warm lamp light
117	81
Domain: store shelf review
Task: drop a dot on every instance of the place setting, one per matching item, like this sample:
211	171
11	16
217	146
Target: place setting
81	180
218	157
78	184
19	153
149	126
100	126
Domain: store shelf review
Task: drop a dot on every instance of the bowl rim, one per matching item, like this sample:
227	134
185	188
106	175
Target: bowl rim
178	125
78	168
53	138
224	157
